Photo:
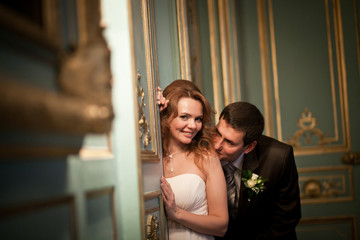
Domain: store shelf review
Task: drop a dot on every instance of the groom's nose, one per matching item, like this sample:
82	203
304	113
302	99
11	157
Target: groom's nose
218	144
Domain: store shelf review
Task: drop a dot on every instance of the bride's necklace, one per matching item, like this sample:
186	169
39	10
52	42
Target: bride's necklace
171	156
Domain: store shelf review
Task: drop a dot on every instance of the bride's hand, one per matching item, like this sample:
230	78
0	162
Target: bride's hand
169	200
161	100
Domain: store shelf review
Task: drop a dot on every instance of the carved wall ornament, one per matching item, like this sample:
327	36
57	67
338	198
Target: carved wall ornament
326	184
351	158
322	189
144	130
312	188
308	130
152	228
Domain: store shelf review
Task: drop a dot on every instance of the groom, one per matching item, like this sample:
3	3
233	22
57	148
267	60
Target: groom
271	213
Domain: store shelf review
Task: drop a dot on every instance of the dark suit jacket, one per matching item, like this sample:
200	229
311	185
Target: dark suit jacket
274	213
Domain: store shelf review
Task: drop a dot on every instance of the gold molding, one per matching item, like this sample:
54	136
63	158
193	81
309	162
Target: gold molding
342	76
224	50
307	124
343	102
351	157
339	46
151	195
214	58
152	228
236	65
157	195
181	10
326	191
265	68
152	81
332	77
144	129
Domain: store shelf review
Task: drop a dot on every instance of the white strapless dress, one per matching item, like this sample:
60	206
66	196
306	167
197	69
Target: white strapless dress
190	195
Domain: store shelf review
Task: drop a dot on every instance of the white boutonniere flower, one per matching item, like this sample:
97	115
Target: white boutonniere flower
254	183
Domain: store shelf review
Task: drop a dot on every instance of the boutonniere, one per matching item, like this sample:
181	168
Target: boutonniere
253	182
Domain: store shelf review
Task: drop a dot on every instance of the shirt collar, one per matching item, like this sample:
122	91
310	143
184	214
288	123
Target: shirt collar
238	163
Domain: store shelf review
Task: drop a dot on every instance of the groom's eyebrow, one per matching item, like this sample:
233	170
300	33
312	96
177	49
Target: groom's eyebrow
227	140
217	131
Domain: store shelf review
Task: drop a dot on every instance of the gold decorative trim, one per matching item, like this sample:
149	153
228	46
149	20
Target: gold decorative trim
156	195
330	220
307	124
339	45
352	158
152	228
214	58
224	50
342	76
322	188
152	195
236	78
275	72
151	80
332	77
265	68
181	9
32	207
144	129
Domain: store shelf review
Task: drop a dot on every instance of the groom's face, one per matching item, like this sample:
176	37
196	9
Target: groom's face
229	144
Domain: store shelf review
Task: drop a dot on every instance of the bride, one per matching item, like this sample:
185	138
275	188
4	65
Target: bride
194	188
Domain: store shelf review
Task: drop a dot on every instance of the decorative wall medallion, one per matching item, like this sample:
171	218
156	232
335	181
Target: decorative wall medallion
351	158
326	184
308	131
144	131
152	228
312	188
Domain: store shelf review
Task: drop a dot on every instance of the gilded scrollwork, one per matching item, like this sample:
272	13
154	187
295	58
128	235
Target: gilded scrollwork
308	130
351	158
152	228
324	188
144	130
326	184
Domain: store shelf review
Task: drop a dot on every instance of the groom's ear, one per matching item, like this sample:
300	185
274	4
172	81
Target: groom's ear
250	147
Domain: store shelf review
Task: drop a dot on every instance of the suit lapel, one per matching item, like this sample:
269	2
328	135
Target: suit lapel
251	162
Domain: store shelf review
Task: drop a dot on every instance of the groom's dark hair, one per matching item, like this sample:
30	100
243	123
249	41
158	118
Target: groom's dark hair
244	116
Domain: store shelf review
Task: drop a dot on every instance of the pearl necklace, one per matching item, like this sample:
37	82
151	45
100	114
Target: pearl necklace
171	156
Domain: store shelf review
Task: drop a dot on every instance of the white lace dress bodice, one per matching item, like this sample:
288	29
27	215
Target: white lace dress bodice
190	195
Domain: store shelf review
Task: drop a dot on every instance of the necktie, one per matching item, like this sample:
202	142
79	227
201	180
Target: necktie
232	176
